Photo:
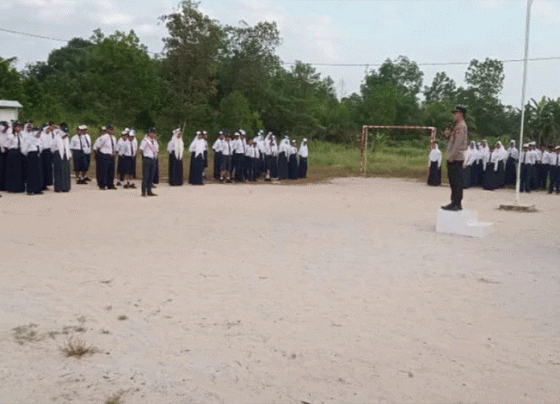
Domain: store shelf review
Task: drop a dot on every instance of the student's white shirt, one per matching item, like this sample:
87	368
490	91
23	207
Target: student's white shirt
134	143
303	150
198	146
472	156
546	157
120	146
85	144
217	146
31	144
237	146
528	156
250	151
554	159
513	152
435	155
149	147
13	141
538	153
225	148
494	158
106	144
62	146
176	146
3	137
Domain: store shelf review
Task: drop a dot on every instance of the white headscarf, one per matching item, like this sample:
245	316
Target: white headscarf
178	144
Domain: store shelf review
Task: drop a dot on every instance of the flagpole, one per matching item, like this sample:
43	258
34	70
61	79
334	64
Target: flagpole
520	146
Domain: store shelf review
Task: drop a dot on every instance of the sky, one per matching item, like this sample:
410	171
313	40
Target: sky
326	32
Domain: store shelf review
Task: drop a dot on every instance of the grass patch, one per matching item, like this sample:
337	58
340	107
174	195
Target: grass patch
26	333
77	348
115	398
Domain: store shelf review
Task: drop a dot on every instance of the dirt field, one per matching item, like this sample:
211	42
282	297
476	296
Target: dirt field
329	293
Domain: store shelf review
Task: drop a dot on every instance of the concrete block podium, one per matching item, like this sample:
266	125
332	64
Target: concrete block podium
462	223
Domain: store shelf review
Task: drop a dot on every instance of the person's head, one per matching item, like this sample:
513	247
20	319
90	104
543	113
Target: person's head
37	132
17	126
459	114
109	129
65	129
151	133
433	145
533	145
82	129
28	127
227	137
557	149
498	145
221	135
249	141
124	134
526	147
4	127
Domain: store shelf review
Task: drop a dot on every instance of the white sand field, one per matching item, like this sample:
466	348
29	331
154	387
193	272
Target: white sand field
339	292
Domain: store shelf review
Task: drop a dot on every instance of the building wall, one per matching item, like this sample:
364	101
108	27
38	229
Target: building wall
8	114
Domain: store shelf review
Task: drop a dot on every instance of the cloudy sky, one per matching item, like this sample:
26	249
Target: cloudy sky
326	32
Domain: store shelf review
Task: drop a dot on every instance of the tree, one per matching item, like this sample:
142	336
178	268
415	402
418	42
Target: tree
11	86
485	78
443	88
190	65
248	62
542	120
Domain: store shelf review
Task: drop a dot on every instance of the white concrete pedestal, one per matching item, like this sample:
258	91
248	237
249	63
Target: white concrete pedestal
462	223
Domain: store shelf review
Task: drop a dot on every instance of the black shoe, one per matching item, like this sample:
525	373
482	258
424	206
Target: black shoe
112	187
144	194
456	208
448	207
131	186
126	186
119	183
151	194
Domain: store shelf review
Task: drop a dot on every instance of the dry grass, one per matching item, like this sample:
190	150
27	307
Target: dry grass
115	398
77	348
26	333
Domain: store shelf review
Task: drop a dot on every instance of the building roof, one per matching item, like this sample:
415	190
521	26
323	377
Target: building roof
10	104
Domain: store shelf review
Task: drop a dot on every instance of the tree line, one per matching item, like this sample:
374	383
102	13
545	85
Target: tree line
213	76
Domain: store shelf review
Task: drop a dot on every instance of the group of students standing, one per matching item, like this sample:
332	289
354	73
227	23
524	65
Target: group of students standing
34	158
493	167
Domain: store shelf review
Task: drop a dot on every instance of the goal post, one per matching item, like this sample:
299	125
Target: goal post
365	133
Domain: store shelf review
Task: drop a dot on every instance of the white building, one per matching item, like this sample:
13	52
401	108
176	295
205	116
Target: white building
9	110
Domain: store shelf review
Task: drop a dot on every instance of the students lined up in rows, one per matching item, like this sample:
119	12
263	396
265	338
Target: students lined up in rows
241	159
494	167
34	158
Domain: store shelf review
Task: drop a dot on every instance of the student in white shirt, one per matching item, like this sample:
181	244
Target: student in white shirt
105	146
434	164
511	162
175	149
61	159
554	167
80	144
303	153
292	161
120	152
197	149
217	148
150	149
4	131
31	149
226	151
15	174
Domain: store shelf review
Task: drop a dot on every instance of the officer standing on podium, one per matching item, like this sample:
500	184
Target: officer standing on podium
456	148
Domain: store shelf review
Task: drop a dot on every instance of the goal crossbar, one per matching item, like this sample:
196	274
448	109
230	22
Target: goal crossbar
364	140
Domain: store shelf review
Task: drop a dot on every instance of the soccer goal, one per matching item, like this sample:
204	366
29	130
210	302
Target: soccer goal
365	133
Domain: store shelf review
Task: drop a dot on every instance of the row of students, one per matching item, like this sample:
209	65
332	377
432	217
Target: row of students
495	167
32	158
241	159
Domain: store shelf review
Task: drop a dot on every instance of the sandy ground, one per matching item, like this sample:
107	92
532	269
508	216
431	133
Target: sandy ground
330	293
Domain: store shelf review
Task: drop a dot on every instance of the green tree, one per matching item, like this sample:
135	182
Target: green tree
11	85
443	88
190	65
